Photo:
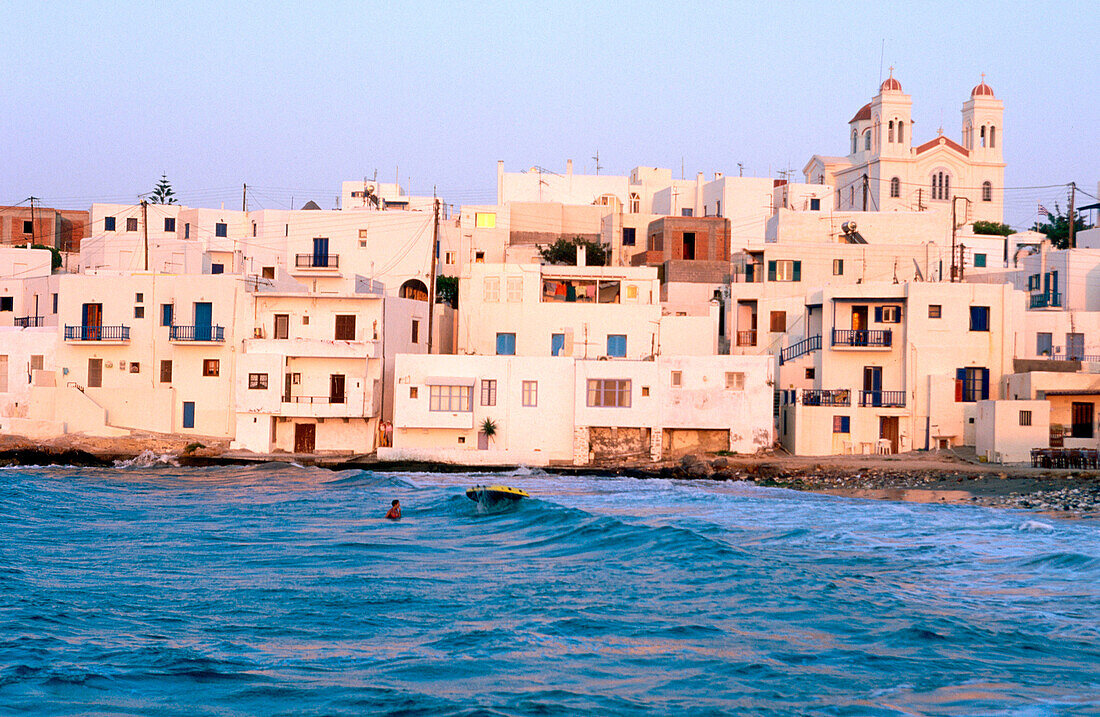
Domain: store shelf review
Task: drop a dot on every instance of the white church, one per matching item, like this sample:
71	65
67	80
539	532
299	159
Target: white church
885	171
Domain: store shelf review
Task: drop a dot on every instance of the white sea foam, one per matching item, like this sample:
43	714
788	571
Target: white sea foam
1034	526
147	459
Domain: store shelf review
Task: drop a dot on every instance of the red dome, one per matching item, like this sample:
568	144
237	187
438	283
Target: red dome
863	114
982	90
891	85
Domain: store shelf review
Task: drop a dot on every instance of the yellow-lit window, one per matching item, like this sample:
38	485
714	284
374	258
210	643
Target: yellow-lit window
631	291
485	220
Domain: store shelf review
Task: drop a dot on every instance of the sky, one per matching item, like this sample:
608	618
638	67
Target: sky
292	99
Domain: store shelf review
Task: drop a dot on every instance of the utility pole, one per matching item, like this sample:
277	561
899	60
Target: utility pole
864	192
145	226
244	197
1072	219
431	291
34	227
962	262
953	227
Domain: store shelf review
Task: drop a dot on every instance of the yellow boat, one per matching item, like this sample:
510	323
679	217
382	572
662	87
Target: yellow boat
495	493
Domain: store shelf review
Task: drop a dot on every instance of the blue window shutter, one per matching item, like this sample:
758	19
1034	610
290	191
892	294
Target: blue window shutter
188	414
878	314
846	424
771	271
898	314
506	344
557	344
985	384
166	315
797	271
616	345
960	384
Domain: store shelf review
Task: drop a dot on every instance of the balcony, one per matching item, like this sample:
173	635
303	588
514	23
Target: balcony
27	322
1046	300
803	347
826	397
746	338
882	399
341	398
317	261
108	334
199	334
353	404
863	338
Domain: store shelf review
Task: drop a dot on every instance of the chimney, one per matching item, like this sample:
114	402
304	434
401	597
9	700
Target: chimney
569	168
582	256
500	181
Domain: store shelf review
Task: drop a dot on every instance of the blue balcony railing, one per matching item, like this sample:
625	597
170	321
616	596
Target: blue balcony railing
97	333
883	399
801	348
25	322
1045	301
877	338
826	397
317	261
196	333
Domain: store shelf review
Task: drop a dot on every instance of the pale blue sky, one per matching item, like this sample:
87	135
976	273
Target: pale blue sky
101	98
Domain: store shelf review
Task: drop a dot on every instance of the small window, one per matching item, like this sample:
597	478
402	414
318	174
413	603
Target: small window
891	314
7	303
305	321
506	344
462	439
414	391
935	311
687	212
449	257
530	393
449	399
217	268
488	392
139	298
166	314
165	371
810	373
169	224
972	384
778	322
131	224
1034	282
479	257
784	270
485	220
221	229
363	233
108	224
211	367
1044	343
979	318
616	345
492	288
187	230
54	303
608	393
139	312
1025	418
37	362
677	378
842	424
267	272
735	381
631	291
979	261
515	289
28	227
629	236
414	334
645	391
257	381
815	204
895	188
838	267
987	191
135	367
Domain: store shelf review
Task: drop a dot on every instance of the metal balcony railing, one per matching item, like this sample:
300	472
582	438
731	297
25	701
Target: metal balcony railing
196	333
1045	300
876	338
317	261
882	399
746	338
25	322
97	333
341	398
826	397
805	346
1059	353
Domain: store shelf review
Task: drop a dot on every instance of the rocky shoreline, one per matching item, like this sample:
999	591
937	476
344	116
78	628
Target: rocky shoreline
919	477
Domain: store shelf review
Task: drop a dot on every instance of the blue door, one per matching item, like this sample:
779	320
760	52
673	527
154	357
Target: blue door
557	344
188	414
320	251
872	385
203	314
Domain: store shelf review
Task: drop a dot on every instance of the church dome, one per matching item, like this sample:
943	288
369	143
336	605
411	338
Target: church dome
890	85
863	114
982	90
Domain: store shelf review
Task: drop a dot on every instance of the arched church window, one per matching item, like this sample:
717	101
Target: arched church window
821	179
901	131
854	139
890	132
867	139
981	137
941	185
946	186
987	191
992	136
895	187
968	132
635	203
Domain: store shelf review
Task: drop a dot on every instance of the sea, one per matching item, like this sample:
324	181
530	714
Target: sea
150	589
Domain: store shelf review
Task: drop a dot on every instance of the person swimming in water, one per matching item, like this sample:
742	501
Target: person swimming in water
395	510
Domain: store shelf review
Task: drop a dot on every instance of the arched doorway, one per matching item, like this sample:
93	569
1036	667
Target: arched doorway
414	289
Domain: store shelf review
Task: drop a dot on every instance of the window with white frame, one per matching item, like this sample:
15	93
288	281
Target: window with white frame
492	288
530	393
450	399
488	392
609	392
735	381
515	289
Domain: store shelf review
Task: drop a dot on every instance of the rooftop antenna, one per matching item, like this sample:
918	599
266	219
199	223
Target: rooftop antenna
740	170
881	54
597	158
